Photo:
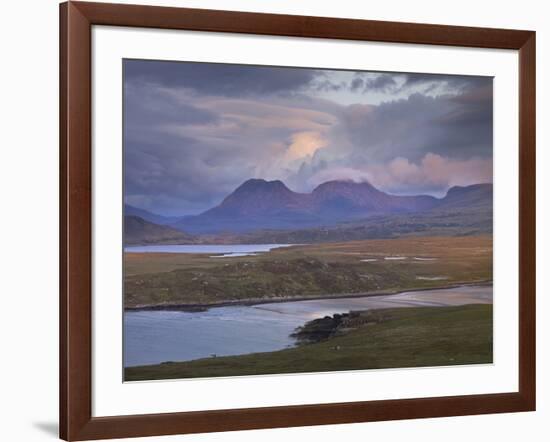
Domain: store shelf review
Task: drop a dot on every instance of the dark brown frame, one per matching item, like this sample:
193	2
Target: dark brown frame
76	20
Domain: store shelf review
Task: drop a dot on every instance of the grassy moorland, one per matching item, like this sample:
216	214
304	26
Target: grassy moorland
466	221
399	337
303	271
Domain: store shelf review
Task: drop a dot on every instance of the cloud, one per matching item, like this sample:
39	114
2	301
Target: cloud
177	163
397	85
446	83
339	174
146	108
365	82
194	132
445	125
304	144
219	78
432	174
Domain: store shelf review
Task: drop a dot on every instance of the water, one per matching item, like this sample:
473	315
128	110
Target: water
226	250
152	337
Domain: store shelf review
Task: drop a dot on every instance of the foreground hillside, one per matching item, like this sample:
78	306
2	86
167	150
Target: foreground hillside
404	337
315	270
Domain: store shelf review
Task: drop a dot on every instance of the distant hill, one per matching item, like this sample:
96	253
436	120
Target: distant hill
149	216
259	205
345	197
468	197
457	222
254	204
138	231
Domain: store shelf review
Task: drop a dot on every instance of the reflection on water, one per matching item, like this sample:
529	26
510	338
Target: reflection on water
152	337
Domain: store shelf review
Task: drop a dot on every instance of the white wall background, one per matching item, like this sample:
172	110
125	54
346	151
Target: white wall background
28	221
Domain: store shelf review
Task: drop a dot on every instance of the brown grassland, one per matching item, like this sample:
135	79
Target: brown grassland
307	271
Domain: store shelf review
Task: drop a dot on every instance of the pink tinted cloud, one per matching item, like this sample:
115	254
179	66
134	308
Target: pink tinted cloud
433	173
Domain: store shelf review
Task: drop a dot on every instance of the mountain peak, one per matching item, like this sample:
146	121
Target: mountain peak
257	196
262	185
342	184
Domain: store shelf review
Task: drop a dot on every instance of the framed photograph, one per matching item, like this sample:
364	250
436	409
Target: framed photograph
272	221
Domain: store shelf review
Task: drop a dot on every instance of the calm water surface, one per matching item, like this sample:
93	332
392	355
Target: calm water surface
152	337
226	250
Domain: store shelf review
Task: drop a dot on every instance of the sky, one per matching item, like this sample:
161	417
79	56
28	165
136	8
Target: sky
193	132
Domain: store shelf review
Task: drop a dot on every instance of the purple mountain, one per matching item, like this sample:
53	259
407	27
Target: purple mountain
259	204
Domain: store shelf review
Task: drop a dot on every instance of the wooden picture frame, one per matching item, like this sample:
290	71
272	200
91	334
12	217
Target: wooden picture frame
76	21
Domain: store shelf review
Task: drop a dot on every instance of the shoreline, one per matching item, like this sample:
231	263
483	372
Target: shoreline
259	301
382	340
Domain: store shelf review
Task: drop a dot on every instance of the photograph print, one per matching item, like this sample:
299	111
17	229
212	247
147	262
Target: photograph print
300	220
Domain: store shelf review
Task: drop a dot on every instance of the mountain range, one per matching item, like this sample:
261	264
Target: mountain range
260	205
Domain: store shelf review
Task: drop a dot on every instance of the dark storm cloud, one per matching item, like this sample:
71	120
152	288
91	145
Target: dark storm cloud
185	151
219	79
368	82
177	176
194	132
383	82
399	83
460	82
460	126
146	109
473	107
412	145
